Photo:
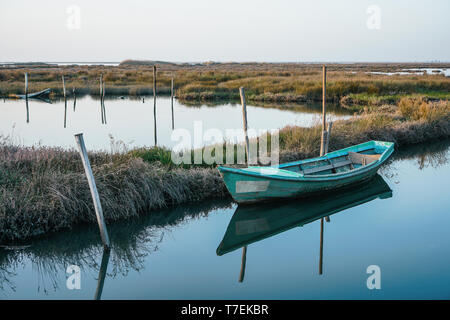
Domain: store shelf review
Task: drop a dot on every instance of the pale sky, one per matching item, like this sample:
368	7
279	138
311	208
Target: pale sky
226	30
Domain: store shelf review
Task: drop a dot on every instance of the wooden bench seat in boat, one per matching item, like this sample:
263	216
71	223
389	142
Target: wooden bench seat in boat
351	159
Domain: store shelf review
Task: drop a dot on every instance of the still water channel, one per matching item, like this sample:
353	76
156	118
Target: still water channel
398	222
130	122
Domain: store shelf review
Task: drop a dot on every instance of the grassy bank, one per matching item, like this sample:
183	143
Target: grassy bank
268	82
44	190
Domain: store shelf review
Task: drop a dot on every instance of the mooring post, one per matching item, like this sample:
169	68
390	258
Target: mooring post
26	97
154	85
94	193
324	93
244	115
243	262
64	87
171	103
65	100
26	85
28	110
101	85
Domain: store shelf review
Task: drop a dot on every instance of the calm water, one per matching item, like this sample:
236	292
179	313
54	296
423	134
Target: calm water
399	222
417	71
132	122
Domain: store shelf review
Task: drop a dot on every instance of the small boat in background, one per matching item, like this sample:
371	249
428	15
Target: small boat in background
40	94
307	177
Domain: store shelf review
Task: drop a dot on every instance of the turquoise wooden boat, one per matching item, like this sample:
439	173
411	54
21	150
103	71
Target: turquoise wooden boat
307	177
251	224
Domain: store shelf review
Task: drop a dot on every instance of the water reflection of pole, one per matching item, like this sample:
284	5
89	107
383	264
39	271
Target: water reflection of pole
154	102
321	247
102	274
243	262
65	112
28	110
171	99
74	99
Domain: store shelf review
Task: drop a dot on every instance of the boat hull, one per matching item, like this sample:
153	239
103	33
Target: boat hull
249	187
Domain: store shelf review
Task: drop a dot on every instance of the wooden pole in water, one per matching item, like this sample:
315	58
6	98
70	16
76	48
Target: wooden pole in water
154	84
244	115
243	262
26	97
28	110
321	247
154	103
26	85
328	135
65	100
324	93
64	87
101	97
171	103
247	152
101	86
103	102
74	98
94	193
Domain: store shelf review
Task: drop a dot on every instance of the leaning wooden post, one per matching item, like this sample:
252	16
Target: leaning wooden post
324	93
244	115
171	103
243	262
95	197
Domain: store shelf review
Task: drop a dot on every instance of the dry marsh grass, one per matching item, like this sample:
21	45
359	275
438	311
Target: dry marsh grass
276	82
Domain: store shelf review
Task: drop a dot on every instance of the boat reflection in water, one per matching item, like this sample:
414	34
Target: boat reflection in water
254	223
